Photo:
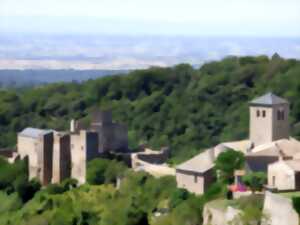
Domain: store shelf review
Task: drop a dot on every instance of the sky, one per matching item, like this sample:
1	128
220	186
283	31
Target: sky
271	18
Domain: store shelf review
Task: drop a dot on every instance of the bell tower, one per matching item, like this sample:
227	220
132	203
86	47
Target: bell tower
268	119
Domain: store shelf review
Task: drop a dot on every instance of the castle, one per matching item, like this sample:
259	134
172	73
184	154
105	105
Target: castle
54	156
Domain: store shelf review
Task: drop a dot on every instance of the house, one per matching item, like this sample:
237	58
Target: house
196	174
261	156
36	146
268	142
284	175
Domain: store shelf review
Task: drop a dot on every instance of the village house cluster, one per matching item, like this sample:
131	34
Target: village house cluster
54	156
269	149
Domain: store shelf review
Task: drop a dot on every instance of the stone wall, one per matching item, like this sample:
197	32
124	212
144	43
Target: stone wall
47	158
84	147
39	152
214	215
61	158
260	163
279	210
281	177
194	182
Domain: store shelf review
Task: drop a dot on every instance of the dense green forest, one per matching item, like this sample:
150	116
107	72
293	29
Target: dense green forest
188	109
139	199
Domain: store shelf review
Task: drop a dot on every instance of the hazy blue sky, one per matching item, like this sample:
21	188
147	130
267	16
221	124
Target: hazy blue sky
183	17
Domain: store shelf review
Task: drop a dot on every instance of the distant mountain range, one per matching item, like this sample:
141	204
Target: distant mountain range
104	52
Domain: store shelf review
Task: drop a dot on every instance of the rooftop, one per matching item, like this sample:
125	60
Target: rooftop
34	132
269	99
284	147
200	163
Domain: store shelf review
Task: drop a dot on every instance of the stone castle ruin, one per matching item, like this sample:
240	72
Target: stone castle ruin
54	156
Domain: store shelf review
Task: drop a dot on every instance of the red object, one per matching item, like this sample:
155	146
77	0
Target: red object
237	188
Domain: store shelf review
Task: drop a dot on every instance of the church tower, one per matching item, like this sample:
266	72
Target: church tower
268	119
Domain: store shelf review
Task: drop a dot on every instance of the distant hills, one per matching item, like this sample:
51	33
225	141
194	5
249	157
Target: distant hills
112	52
21	78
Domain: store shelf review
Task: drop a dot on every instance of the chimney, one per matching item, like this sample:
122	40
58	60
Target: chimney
73	126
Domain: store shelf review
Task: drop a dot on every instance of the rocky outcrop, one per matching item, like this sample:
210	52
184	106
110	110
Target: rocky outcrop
214	215
279	210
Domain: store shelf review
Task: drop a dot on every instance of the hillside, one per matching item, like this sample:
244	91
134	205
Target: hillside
188	109
29	78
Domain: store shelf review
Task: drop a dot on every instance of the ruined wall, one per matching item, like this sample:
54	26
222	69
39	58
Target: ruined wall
279	210
91	145
155	158
78	157
30	147
61	158
47	158
111	137
84	147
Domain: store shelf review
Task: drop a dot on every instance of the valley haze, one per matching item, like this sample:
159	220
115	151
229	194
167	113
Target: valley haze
127	52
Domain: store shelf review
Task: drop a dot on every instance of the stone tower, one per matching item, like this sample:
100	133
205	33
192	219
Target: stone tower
268	119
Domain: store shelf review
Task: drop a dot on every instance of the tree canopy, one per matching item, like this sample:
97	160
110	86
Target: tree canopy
188	109
227	162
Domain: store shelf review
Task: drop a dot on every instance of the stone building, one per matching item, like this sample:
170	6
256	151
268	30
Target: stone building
261	156
61	157
268	119
284	175
269	142
37	146
112	137
196	174
84	145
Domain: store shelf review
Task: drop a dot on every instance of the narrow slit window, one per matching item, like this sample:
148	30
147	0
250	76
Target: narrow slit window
257	113
264	113
278	115
195	179
282	115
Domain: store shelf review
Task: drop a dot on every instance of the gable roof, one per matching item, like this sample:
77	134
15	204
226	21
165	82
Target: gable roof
34	132
268	100
282	147
200	163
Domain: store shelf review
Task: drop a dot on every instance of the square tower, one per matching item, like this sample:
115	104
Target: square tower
268	119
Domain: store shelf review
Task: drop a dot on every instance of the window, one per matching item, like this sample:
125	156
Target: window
257	113
264	113
278	115
282	115
195	179
273	180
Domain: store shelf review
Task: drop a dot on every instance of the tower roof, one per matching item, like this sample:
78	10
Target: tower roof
268	99
34	132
